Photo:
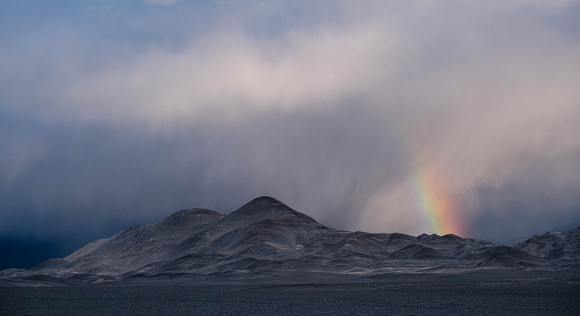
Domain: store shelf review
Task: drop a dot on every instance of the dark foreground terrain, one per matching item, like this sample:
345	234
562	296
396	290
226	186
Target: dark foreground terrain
494	293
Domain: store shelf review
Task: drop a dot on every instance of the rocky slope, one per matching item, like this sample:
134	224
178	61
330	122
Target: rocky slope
562	249
266	237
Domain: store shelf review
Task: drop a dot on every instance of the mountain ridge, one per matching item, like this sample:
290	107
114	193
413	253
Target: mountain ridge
265	237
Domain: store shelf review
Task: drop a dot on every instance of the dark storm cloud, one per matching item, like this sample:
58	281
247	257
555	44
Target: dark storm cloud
117	113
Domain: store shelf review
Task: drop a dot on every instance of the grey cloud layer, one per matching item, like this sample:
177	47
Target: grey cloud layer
332	109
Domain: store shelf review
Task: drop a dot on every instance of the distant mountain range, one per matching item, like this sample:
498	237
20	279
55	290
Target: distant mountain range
266	238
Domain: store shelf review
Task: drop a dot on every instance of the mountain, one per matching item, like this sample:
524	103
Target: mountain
562	249
266	238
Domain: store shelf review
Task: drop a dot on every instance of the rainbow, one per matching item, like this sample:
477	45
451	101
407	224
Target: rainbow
430	195
434	203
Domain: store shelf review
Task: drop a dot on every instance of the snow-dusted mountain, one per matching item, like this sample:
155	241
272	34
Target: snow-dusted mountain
266	237
560	248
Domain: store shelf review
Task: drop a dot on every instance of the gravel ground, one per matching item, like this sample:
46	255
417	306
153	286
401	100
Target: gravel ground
441	296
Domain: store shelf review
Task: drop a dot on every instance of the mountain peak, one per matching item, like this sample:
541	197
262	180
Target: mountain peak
189	218
263	204
265	201
266	207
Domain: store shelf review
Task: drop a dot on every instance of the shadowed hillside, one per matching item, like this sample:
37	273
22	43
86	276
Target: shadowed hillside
266	238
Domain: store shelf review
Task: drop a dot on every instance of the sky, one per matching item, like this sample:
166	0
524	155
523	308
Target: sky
382	116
